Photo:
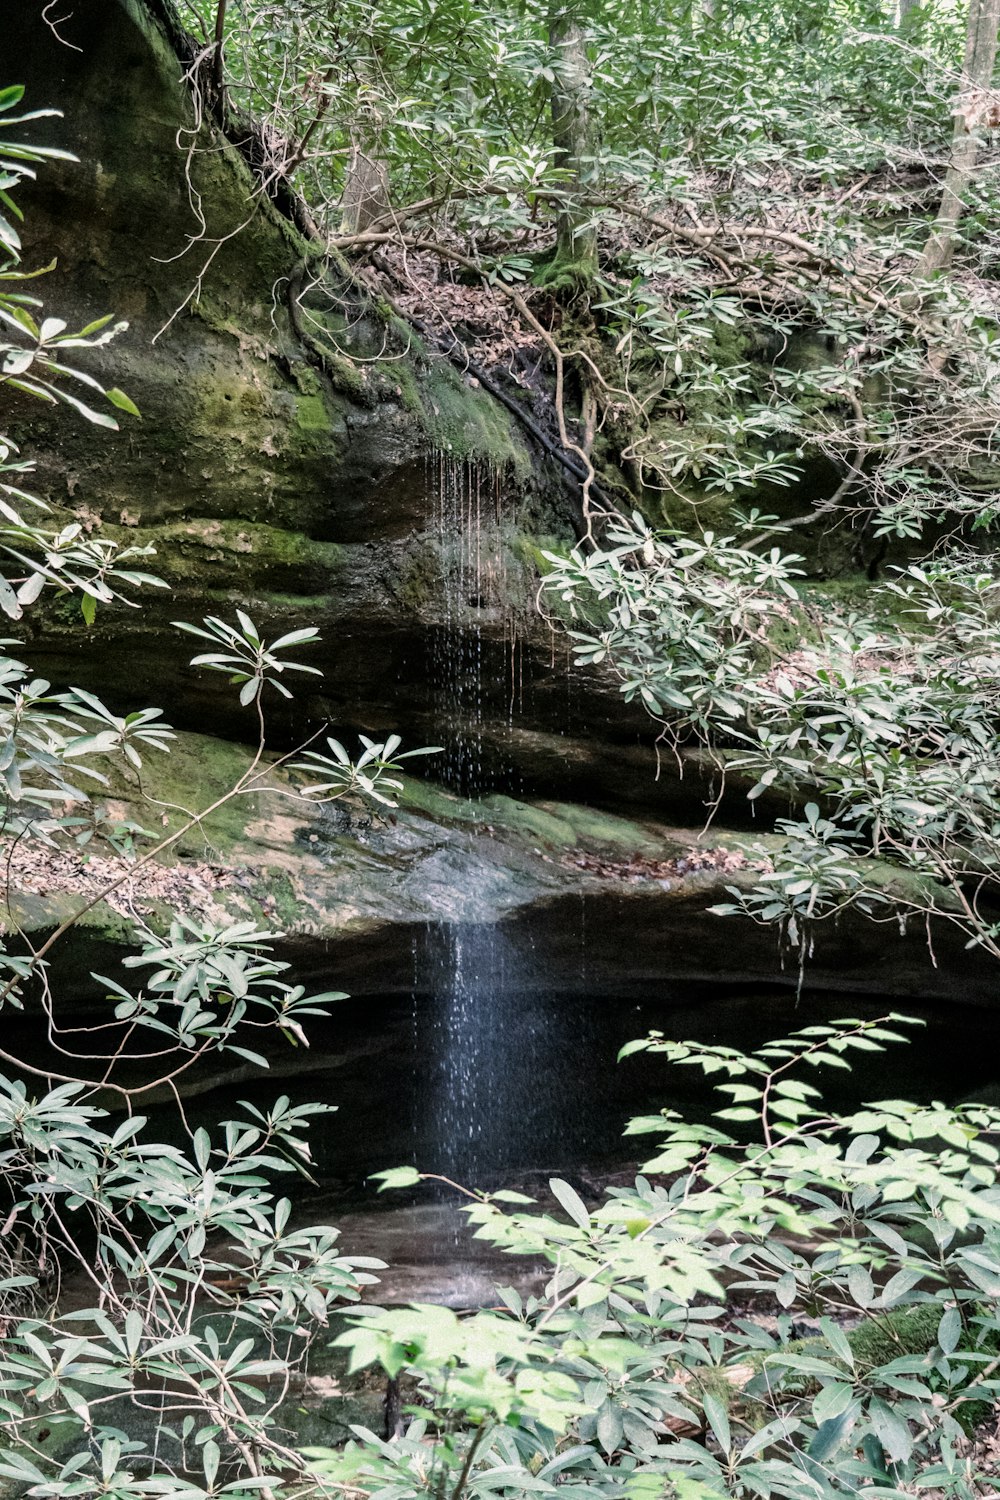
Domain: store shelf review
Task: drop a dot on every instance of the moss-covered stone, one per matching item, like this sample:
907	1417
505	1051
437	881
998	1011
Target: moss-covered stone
235	405
604	830
359	885
464	421
539	823
421	577
312	415
883	1337
247	551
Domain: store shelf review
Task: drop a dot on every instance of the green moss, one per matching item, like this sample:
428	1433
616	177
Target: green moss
564	825
347	379
406	335
565	279
531	550
530	553
313	605
466	422
458	418
230	406
799	628
910	1330
847	594
193	549
528	820
857	594
286	904
307	381
311	414
434	802
592	827
407	388
420	578
212	316
687	509
197	771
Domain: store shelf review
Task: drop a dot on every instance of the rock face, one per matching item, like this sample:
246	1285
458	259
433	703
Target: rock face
170	232
387	500
582	902
377	494
349	491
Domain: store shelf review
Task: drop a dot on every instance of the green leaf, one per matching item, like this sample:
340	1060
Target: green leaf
118	398
785	1288
609	1427
949	1330
397	1177
831	1435
859	1284
838	1340
640	1045
718	1419
832	1402
571	1201
891	1430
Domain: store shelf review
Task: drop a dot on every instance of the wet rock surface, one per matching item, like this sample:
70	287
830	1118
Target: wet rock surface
595	901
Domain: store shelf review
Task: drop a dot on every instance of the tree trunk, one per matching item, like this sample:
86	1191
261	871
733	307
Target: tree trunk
366	178
571	135
366	188
972	109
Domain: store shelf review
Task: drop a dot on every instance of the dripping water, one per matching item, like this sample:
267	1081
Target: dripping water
484	1041
476	620
467	974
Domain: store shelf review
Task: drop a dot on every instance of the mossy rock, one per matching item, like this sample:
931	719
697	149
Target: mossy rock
464	421
876	1342
607	832
528	821
238	410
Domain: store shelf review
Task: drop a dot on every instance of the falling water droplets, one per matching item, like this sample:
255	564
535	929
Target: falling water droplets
467	971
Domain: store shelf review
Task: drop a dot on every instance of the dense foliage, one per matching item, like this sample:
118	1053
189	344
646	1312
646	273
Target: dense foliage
200	1284
888	721
645	1367
669	203
751	190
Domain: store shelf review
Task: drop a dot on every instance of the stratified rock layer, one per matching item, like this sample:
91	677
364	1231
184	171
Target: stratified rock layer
601	904
375	493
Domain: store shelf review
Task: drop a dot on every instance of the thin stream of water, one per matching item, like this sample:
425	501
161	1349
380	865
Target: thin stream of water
466	976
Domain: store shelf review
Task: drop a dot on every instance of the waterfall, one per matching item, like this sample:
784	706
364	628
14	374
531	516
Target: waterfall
468	529
467	973
478	1081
